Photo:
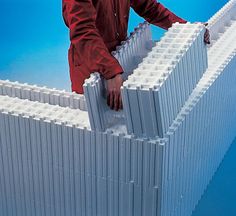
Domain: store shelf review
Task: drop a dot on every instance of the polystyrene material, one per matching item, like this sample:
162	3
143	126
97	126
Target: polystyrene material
45	111
134	48
42	94
154	94
58	168
53	163
129	54
202	132
219	22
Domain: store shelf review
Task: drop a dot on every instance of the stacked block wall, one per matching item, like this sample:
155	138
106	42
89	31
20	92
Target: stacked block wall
53	163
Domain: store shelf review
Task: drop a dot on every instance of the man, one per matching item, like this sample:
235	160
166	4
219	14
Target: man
96	28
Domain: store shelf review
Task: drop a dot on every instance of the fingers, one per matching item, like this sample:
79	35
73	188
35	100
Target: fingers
207	37
120	102
207	34
207	40
108	99
119	105
111	101
114	100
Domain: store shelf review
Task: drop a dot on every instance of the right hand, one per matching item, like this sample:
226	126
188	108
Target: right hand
114	100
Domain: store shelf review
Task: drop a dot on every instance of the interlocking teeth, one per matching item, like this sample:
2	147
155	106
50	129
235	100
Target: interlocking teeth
129	54
52	113
42	94
53	163
134	49
154	94
191	148
219	23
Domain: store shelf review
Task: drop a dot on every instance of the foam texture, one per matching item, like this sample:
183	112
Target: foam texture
154	94
55	162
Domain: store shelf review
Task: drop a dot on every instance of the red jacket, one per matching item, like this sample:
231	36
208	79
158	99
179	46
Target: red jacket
98	26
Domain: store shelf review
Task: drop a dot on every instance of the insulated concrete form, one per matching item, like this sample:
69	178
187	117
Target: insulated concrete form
100	115
53	164
129	54
202	132
156	91
213	110
42	94
131	51
222	19
56	166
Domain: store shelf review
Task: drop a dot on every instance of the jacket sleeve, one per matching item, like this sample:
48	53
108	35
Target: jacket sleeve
80	17
155	13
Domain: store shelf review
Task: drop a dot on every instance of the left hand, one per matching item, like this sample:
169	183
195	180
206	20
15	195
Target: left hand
207	35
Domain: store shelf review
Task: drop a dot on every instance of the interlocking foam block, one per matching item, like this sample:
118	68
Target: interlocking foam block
51	166
154	94
222	19
129	54
208	119
134	48
42	94
45	111
53	163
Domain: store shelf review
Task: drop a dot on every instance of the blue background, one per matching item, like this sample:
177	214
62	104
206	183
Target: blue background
34	40
33	48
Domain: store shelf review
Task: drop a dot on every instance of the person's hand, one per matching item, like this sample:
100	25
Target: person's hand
114	100
207	35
